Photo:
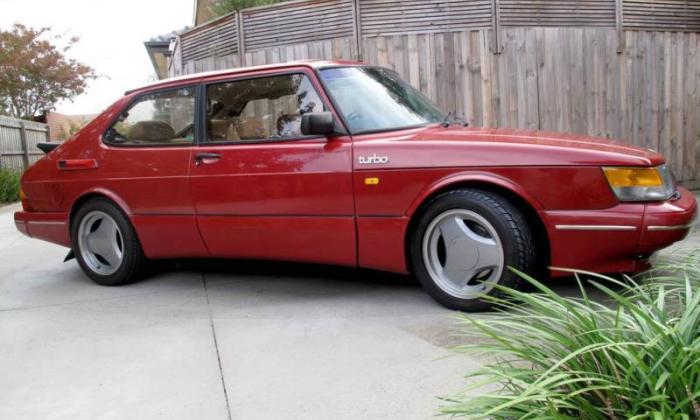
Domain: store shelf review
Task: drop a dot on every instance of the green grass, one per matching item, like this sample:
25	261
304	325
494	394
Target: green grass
9	185
635	354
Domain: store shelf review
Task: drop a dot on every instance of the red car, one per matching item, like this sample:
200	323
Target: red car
341	163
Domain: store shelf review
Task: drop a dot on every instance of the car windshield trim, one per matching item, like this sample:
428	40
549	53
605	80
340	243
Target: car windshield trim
438	114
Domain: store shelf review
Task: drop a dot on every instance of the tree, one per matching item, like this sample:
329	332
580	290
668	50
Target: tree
35	74
222	7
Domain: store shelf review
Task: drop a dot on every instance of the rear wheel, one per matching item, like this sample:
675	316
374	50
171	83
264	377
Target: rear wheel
105	244
464	243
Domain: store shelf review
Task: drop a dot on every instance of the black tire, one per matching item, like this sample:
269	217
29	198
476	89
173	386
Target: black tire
133	261
516	238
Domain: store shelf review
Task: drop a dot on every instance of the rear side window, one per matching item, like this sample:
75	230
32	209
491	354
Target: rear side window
161	118
268	108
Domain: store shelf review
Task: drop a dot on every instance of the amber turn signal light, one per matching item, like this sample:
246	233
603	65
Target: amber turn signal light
23	199
633	177
641	183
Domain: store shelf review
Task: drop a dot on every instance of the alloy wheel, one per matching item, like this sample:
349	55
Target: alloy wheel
101	243
463	253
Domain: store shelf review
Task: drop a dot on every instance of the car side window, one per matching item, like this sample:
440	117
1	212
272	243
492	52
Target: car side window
267	108
162	118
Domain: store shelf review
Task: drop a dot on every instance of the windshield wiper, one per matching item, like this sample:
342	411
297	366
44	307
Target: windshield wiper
448	120
461	121
451	118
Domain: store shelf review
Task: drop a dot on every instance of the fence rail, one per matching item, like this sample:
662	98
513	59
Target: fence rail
18	142
627	69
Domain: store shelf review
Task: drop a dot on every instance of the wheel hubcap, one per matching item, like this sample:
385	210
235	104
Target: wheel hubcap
101	243
463	253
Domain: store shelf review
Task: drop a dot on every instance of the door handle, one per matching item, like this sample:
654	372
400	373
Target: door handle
200	158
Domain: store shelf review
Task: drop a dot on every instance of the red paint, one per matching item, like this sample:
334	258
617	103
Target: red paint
168	236
51	227
329	240
307	200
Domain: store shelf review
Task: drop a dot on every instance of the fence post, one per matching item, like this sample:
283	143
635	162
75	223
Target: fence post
496	26
23	142
619	26
357	28
241	40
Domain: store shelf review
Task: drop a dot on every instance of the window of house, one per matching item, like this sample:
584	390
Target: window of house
266	108
161	118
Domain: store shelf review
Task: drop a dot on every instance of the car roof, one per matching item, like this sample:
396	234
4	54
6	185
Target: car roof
314	64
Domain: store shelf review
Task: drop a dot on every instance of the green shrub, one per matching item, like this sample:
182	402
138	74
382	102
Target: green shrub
634	356
9	185
222	7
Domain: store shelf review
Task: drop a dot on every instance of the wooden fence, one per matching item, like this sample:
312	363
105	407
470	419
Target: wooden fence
18	140
626	69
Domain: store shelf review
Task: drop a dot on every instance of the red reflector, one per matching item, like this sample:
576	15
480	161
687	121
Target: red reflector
73	164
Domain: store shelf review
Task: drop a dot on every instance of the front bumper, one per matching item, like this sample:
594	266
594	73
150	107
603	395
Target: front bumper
618	239
668	222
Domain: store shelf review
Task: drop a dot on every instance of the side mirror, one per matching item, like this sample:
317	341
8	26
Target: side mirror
317	124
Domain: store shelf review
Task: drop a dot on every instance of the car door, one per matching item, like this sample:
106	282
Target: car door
261	188
144	162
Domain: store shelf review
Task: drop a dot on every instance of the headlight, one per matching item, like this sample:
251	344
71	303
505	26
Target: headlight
641	184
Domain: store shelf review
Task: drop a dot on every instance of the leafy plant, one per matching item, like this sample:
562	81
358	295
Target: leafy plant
632	357
222	7
9	185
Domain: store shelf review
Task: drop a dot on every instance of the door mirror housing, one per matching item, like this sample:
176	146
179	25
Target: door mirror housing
317	124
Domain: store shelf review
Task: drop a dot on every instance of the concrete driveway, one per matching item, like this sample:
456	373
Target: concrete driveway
218	340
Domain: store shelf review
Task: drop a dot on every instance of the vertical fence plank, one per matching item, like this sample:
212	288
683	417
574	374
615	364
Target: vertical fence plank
477	112
23	143
486	81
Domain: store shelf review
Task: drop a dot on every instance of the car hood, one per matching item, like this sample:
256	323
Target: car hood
457	146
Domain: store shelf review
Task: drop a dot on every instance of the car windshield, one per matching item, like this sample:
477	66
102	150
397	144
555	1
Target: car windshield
376	99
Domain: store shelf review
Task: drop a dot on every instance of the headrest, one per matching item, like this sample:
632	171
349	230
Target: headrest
218	129
250	128
151	131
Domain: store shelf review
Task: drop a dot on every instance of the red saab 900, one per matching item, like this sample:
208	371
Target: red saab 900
341	163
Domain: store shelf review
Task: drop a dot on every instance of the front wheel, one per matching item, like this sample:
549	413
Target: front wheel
105	244
464	243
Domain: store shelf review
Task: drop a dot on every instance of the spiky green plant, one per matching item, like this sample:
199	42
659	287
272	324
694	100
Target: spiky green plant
9	185
631	357
674	268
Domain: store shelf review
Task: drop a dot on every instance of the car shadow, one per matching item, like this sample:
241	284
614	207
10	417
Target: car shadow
277	269
331	277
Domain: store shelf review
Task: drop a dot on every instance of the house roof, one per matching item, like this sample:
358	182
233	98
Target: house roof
158	49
